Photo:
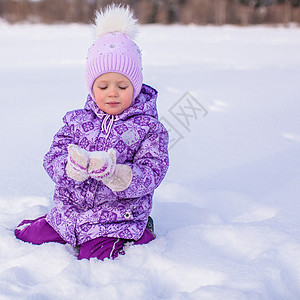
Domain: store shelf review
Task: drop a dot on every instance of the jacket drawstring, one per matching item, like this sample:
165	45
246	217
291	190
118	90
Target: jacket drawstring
106	126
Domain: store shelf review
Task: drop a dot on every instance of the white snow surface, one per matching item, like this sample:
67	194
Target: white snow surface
227	215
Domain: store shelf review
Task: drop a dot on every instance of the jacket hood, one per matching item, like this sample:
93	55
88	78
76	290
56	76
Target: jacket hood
144	104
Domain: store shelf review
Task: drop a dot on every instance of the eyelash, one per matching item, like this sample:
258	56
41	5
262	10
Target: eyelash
104	88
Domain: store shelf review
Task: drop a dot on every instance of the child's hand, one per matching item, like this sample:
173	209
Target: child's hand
102	165
77	164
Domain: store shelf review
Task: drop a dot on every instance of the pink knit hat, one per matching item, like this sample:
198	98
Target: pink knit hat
114	50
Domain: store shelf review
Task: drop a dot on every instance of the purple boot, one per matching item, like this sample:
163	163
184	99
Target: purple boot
37	232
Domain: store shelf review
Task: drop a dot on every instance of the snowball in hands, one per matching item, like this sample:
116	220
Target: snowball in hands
102	165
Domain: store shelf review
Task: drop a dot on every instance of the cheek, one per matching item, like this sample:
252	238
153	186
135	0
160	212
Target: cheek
130	94
129	98
99	99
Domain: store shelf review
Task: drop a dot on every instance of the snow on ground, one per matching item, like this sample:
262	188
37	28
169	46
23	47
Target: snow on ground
227	216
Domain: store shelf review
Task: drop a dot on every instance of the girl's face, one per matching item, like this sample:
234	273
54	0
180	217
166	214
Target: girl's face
113	93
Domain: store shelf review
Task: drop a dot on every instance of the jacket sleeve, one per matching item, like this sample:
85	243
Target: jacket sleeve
56	159
150	164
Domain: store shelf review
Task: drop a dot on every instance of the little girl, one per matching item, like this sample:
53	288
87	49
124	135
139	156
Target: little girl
109	157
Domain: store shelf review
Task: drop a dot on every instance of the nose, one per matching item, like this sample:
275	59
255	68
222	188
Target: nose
113	92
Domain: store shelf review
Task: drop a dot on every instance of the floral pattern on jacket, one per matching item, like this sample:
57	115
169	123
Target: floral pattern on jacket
89	209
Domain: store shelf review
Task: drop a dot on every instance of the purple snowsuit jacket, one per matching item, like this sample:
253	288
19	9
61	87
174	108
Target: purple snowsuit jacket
86	210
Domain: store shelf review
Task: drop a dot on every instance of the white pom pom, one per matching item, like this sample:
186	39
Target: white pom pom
115	18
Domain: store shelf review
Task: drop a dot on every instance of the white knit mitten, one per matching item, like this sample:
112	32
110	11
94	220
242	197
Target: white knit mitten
77	164
102	164
121	179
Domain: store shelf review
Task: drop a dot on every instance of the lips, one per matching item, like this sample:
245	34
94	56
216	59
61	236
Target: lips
113	103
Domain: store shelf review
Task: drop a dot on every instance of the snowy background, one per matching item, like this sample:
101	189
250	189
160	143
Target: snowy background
227	216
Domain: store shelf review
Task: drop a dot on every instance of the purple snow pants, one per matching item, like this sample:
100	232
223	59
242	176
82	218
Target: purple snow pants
38	231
